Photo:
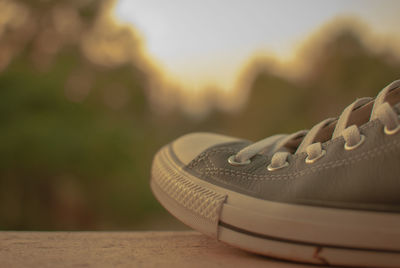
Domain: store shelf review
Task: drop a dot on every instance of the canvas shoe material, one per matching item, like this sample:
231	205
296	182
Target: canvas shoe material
330	195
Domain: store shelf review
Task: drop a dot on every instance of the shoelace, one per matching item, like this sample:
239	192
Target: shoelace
353	138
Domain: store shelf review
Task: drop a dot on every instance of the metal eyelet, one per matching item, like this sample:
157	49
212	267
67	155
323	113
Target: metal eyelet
233	162
270	168
352	147
391	131
310	161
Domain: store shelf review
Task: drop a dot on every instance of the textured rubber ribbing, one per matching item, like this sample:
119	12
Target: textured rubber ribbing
172	180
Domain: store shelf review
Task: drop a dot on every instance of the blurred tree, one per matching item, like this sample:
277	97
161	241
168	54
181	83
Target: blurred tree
76	138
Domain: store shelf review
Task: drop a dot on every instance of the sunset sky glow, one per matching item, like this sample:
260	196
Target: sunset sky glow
202	43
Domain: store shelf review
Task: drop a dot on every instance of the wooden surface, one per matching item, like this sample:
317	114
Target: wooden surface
124	249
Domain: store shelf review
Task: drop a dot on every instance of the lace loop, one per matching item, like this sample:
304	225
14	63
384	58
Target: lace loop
381	98
234	162
278	161
344	118
253	149
352	137
314	152
388	117
312	134
352	147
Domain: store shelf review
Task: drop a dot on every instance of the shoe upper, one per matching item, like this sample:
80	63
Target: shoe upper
350	162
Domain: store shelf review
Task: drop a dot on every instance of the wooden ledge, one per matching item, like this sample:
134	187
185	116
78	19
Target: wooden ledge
124	249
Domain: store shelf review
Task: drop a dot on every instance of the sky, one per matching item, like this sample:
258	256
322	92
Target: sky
206	43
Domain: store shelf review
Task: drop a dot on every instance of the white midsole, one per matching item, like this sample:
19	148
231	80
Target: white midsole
306	224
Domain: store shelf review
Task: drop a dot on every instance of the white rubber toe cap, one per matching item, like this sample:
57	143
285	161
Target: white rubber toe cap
187	147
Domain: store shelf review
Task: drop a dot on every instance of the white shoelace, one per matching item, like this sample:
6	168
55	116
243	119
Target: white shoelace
353	138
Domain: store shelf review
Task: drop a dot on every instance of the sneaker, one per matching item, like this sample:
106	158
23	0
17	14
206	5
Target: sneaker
330	195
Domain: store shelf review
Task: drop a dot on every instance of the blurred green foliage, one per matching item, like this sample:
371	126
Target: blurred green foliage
77	132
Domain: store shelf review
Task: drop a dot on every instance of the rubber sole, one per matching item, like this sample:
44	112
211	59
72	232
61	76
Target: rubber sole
292	232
